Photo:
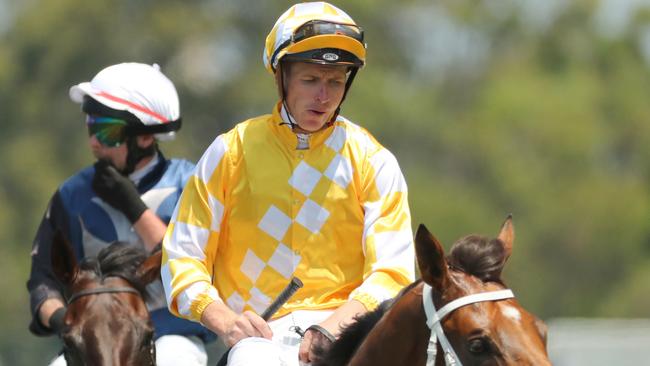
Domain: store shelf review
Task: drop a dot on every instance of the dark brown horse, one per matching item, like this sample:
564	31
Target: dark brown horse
106	322
459	313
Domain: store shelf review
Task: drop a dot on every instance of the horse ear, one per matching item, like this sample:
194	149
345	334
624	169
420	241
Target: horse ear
149	270
431	258
64	263
507	235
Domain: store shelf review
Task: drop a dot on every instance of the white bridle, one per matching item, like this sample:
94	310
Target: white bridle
435	316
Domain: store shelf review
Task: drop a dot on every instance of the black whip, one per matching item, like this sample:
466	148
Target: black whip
288	291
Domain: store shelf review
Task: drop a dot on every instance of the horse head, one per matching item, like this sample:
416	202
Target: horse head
459	313
107	321
480	330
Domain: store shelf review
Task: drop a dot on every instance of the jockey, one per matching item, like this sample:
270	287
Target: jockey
301	192
127	195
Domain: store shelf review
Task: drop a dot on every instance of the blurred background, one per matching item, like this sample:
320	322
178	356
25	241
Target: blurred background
536	108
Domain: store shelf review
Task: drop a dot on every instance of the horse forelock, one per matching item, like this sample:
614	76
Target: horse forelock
479	256
117	260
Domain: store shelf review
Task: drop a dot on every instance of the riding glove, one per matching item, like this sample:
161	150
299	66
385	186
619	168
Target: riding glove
117	190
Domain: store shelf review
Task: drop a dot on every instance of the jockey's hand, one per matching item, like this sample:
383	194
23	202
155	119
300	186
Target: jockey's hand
245	325
117	190
320	336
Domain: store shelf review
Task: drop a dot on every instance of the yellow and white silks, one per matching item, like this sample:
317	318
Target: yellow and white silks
257	211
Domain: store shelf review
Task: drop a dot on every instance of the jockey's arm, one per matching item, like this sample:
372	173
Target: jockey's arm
150	228
119	192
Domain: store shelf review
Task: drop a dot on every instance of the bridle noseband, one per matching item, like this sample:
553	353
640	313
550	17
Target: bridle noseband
435	316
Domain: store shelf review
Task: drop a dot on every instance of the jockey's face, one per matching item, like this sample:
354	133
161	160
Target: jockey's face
313	92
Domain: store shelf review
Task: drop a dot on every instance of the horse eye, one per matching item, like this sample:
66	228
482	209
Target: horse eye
478	346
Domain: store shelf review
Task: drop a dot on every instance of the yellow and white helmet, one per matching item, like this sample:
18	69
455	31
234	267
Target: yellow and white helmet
315	32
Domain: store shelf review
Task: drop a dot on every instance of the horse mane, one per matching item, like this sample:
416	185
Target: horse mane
352	335
479	256
119	259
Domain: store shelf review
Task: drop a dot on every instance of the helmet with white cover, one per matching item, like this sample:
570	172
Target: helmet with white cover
138	90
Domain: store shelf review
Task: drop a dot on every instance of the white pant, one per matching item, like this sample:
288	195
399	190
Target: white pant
171	350
283	349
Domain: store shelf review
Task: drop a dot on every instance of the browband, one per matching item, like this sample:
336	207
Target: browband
101	290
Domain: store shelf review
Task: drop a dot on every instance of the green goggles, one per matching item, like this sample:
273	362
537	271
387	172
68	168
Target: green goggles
110	132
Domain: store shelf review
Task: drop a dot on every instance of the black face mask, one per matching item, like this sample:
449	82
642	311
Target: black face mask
134	154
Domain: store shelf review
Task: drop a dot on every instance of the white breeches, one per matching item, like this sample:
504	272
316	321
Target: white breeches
171	350
283	349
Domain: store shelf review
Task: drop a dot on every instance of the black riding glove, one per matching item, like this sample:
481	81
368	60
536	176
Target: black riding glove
56	320
117	190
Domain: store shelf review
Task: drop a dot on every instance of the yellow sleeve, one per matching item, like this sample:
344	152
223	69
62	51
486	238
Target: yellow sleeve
192	236
388	238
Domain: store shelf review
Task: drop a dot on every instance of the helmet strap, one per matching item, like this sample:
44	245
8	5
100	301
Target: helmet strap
348	84
289	117
279	81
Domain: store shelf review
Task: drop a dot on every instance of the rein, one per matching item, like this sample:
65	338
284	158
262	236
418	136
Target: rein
434	318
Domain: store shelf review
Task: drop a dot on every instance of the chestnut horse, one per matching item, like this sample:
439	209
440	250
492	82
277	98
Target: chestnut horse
107	321
461	312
